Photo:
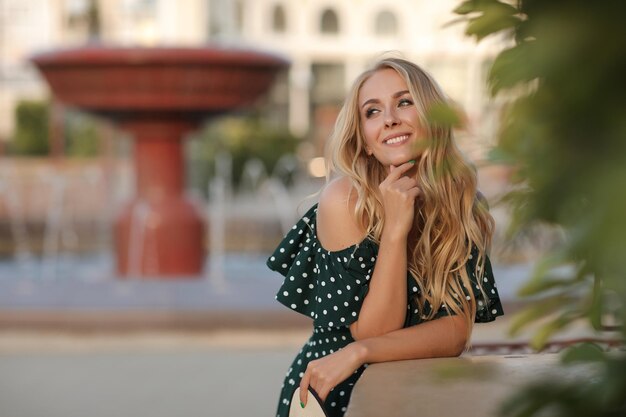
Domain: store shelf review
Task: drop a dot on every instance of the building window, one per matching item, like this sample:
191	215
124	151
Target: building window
84	16
239	16
328	83
279	21
330	22
140	7
386	24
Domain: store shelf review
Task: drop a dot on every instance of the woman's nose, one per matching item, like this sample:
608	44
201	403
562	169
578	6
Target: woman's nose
391	118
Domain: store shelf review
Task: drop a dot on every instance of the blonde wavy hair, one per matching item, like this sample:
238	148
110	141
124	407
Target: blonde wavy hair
451	218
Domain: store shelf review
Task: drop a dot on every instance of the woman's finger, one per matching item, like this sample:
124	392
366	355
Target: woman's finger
304	388
404	183
323	393
395	176
400	184
414	192
396	172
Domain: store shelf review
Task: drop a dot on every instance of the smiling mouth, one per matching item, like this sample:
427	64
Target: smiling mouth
395	140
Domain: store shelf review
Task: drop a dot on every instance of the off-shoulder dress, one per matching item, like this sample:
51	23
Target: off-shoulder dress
329	287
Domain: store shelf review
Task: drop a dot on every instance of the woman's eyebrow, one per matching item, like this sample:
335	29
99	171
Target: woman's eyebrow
401	93
395	95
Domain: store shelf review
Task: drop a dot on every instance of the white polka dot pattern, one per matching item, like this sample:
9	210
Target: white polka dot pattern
328	286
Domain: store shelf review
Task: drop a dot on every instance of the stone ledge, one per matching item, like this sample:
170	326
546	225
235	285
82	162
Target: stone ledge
417	387
155	320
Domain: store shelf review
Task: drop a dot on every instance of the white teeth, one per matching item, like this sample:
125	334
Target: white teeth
397	139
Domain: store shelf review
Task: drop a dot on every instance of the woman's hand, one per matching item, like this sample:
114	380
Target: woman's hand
399	193
326	373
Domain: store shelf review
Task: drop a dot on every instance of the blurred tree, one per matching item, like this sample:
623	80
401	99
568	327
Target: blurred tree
31	129
244	138
82	137
564	132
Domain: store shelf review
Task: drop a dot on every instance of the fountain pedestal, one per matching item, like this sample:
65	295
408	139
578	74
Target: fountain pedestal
159	232
158	95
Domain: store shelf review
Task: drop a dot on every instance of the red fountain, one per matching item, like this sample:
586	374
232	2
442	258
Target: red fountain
158	95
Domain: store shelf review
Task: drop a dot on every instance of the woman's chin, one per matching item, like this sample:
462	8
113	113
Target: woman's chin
401	160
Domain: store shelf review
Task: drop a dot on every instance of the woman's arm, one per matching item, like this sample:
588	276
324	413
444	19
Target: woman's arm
384	307
442	337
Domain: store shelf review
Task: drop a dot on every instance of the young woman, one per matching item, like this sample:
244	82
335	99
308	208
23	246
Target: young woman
391	264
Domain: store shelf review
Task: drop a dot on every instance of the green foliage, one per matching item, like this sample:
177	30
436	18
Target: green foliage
31	129
445	115
244	138
31	138
584	352
565	135
81	135
600	394
484	17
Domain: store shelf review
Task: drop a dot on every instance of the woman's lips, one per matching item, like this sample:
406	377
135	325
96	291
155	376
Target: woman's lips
396	139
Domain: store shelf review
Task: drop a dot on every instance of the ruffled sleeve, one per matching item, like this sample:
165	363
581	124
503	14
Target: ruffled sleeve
488	305
328	286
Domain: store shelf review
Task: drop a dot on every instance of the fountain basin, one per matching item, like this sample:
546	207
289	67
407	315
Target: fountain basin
158	95
185	83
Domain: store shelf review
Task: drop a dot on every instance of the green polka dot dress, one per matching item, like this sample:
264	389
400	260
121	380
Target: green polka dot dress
329	287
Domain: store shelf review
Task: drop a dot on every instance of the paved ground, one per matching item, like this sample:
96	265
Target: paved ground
154	373
206	382
104	347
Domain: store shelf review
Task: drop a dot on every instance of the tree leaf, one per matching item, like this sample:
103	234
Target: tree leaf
597	304
534	287
494	19
584	352
544	333
537	310
466	7
507	70
474	6
443	114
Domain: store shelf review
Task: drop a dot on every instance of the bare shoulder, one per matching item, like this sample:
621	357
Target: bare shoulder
336	226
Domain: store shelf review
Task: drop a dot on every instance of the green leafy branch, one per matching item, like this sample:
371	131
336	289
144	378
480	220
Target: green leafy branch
563	132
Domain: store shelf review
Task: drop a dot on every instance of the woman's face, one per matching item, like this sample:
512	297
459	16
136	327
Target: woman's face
389	119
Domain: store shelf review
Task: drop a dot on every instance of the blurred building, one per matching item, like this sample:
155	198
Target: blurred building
328	43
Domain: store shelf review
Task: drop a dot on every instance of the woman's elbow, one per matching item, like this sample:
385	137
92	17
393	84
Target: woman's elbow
359	333
450	336
458	336
458	346
365	332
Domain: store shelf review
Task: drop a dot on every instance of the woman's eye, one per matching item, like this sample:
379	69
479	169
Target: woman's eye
370	112
404	102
